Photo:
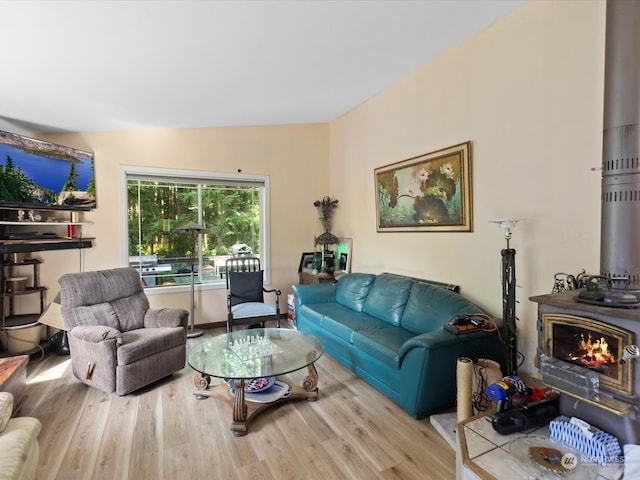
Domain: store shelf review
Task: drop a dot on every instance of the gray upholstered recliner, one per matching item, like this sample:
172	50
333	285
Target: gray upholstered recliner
117	343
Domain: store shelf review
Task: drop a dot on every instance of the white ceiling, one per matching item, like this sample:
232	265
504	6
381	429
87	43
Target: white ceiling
122	65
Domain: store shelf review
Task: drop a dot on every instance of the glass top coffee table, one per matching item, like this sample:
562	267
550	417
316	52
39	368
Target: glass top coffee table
250	362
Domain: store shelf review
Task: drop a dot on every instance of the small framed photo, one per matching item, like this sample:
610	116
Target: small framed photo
344	250
306	261
345	266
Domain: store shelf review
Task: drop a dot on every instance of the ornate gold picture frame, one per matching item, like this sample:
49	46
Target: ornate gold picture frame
428	193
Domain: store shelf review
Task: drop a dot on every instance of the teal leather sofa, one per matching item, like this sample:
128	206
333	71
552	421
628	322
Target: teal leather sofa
389	330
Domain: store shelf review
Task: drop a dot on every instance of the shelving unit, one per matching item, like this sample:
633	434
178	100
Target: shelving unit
41	245
37	235
11	269
25	320
54	239
26	223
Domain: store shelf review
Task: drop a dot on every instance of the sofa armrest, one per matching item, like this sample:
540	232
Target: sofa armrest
96	334
441	339
428	361
166	317
437	338
317	293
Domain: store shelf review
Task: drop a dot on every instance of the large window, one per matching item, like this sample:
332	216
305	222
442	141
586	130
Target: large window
232	207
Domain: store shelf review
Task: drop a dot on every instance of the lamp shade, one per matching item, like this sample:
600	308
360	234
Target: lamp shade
191	227
326	238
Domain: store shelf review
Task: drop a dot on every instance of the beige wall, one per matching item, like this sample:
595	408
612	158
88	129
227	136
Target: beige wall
528	94
294	157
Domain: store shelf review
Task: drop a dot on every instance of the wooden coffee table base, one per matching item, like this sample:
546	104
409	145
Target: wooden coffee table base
243	410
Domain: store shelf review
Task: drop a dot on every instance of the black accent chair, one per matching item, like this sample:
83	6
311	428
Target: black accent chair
245	294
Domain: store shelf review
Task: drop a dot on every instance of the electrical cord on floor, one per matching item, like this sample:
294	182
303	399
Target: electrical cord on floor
479	400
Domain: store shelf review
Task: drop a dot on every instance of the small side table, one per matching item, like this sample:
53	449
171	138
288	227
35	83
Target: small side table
13	379
310	279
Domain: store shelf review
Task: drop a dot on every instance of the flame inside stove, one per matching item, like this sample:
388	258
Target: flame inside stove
593	353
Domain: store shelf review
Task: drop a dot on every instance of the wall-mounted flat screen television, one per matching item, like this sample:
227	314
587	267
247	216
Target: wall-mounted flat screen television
35	174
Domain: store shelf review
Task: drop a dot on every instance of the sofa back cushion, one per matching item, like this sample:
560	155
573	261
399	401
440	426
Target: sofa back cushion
98	314
429	307
130	311
353	289
388	297
91	288
114	298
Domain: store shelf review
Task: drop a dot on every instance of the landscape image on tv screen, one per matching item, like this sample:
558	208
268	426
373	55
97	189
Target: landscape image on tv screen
38	174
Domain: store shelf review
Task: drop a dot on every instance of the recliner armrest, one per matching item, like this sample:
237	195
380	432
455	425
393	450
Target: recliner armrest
96	333
166	317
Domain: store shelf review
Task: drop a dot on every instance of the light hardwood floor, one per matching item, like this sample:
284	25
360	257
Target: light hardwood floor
163	432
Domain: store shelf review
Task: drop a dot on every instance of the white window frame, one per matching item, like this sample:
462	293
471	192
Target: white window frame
176	175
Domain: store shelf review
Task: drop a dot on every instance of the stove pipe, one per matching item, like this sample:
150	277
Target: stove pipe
620	222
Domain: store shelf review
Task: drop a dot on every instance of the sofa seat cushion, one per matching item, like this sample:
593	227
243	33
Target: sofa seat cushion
388	297
311	313
252	309
382	343
17	440
345	324
145	342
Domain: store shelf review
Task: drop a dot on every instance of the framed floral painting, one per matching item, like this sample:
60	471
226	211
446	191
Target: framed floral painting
428	193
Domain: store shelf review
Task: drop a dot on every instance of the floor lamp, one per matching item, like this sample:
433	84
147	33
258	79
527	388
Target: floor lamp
509	297
193	230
